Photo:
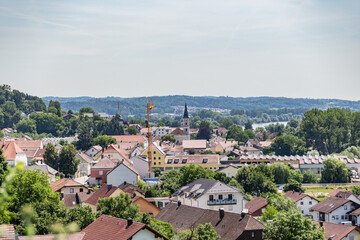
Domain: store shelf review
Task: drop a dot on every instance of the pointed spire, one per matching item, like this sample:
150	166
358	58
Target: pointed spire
186	114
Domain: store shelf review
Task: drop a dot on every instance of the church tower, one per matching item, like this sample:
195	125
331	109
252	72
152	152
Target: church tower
186	123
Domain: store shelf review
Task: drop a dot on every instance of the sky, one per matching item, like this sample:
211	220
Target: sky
239	48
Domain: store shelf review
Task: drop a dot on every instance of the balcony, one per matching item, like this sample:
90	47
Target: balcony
222	202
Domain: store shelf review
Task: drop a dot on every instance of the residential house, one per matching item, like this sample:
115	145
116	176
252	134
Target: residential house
256	207
252	143
30	147
137	126
113	152
39	156
140	165
100	169
131	189
334	231
103	192
75	199
67	186
107	227
130	138
229	170
211	194
56	140
161	131
179	135
229	226
250	150
158	156
210	161
84	168
122	172
93	151
303	201
333	209
46	169
13	154
345	194
195	146
68	116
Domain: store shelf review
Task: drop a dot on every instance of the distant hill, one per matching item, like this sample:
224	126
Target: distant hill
172	104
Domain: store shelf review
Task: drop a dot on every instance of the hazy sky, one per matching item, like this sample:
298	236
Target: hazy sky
240	48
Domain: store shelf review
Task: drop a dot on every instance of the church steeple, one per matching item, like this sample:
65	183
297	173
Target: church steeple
186	114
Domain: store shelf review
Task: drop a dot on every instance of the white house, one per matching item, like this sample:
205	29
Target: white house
211	194
303	201
230	170
336	231
93	151
161	131
333	209
13	154
84	167
141	165
122	173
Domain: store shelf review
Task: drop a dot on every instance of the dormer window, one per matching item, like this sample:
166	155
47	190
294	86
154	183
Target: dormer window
176	160
205	160
184	160
169	160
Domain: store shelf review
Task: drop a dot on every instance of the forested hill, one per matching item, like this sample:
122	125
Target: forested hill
165	104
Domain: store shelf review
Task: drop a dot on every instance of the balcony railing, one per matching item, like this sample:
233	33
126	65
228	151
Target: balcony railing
222	202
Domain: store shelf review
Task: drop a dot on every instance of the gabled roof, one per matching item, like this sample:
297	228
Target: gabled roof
125	165
130	138
30	144
71	200
64	182
43	167
129	188
342	193
84	158
228	166
195	144
336	231
103	192
253	141
106	227
10	150
231	226
256	204
201	186
330	204
104	163
297	196
178	132
39	155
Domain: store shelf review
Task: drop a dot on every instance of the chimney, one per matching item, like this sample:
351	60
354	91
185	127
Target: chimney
221	214
243	213
89	191
129	222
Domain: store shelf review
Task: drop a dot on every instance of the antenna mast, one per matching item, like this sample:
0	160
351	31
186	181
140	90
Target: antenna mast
149	107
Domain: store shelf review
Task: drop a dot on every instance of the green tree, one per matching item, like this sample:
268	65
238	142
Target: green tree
288	145
162	227
86	110
206	232
51	156
335	171
204	131
121	207
168	137
220	176
85	140
269	213
355	189
26	125
281	173
294	123
81	215
248	126
132	130
31	188
56	105
309	177
226	122
68	163
190	173
292	225
281	203
293	185
351	152
104	141
114	127
3	166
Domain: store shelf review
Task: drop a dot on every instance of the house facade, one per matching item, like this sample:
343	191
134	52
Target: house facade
210	161
122	173
303	201
211	194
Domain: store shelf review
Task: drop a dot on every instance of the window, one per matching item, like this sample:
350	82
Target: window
176	160
337	217
100	172
301	203
154	163
230	196
220	197
253	234
205	160
159	163
81	189
302	211
210	168
159	158
333	217
184	160
169	160
154	158
346	217
71	190
211	197
310	202
342	217
154	152
345	207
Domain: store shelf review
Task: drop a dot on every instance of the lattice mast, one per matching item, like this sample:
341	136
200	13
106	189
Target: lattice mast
149	107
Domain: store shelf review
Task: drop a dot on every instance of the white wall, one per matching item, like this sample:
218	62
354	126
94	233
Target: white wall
121	174
352	236
21	158
144	234
306	205
141	166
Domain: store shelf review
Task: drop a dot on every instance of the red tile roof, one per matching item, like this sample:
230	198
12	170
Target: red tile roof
256	204
103	192
130	138
72	236
106	227
178	132
296	196
104	163
195	144
64	182
330	204
10	150
336	231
